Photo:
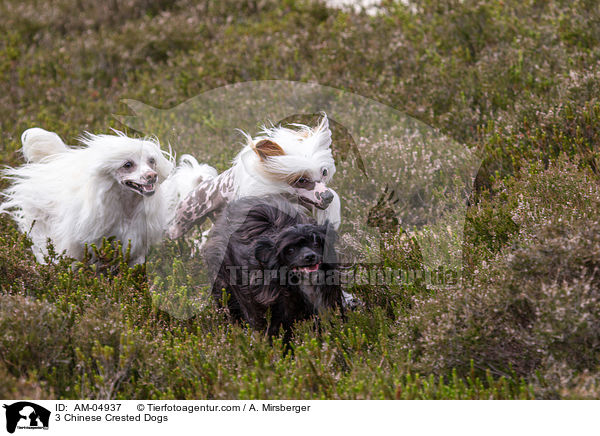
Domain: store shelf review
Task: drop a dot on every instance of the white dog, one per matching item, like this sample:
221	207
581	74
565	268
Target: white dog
111	186
297	162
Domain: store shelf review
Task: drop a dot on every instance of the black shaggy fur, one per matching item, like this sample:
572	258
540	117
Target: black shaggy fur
261	236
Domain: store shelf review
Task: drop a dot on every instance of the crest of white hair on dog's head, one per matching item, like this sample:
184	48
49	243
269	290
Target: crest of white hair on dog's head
111	153
288	153
295	158
283	154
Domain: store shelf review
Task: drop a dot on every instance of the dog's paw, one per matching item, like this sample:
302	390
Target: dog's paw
350	301
173	232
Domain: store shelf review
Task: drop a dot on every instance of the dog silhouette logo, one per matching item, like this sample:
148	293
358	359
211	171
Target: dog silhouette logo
26	415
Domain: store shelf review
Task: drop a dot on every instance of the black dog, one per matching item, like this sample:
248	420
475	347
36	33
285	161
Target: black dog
276	265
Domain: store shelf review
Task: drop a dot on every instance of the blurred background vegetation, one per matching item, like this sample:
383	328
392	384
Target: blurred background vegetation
515	80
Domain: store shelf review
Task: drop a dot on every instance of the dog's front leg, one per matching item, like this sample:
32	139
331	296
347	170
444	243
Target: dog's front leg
333	213
208	198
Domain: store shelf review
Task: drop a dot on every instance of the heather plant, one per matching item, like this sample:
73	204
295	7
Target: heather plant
531	302
515	82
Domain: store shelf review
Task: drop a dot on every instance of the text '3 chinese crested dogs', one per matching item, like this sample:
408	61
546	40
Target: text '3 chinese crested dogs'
271	258
111	186
295	161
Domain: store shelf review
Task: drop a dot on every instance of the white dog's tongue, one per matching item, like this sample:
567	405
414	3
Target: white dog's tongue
147	188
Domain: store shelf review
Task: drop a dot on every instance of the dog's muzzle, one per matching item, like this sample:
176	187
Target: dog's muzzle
326	198
320	196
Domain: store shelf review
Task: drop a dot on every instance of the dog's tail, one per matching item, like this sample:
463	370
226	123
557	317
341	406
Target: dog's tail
189	173
39	143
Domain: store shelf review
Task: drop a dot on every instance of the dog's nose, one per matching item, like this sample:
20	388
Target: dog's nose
326	197
310	257
151	177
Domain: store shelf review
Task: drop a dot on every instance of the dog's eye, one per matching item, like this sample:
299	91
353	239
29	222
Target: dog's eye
151	161
128	164
302	181
289	251
324	172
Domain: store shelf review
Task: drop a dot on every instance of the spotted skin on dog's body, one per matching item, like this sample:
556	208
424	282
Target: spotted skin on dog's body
206	201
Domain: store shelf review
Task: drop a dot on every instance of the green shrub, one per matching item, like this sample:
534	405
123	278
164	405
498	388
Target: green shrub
532	302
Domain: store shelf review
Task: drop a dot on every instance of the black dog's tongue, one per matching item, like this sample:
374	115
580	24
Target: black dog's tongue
310	268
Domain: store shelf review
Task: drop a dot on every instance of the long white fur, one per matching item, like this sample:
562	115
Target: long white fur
72	197
39	143
307	150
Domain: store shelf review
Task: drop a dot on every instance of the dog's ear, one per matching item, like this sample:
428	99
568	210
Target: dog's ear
323	124
266	148
163	167
263	250
322	133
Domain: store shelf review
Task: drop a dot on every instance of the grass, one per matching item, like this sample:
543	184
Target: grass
515	81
